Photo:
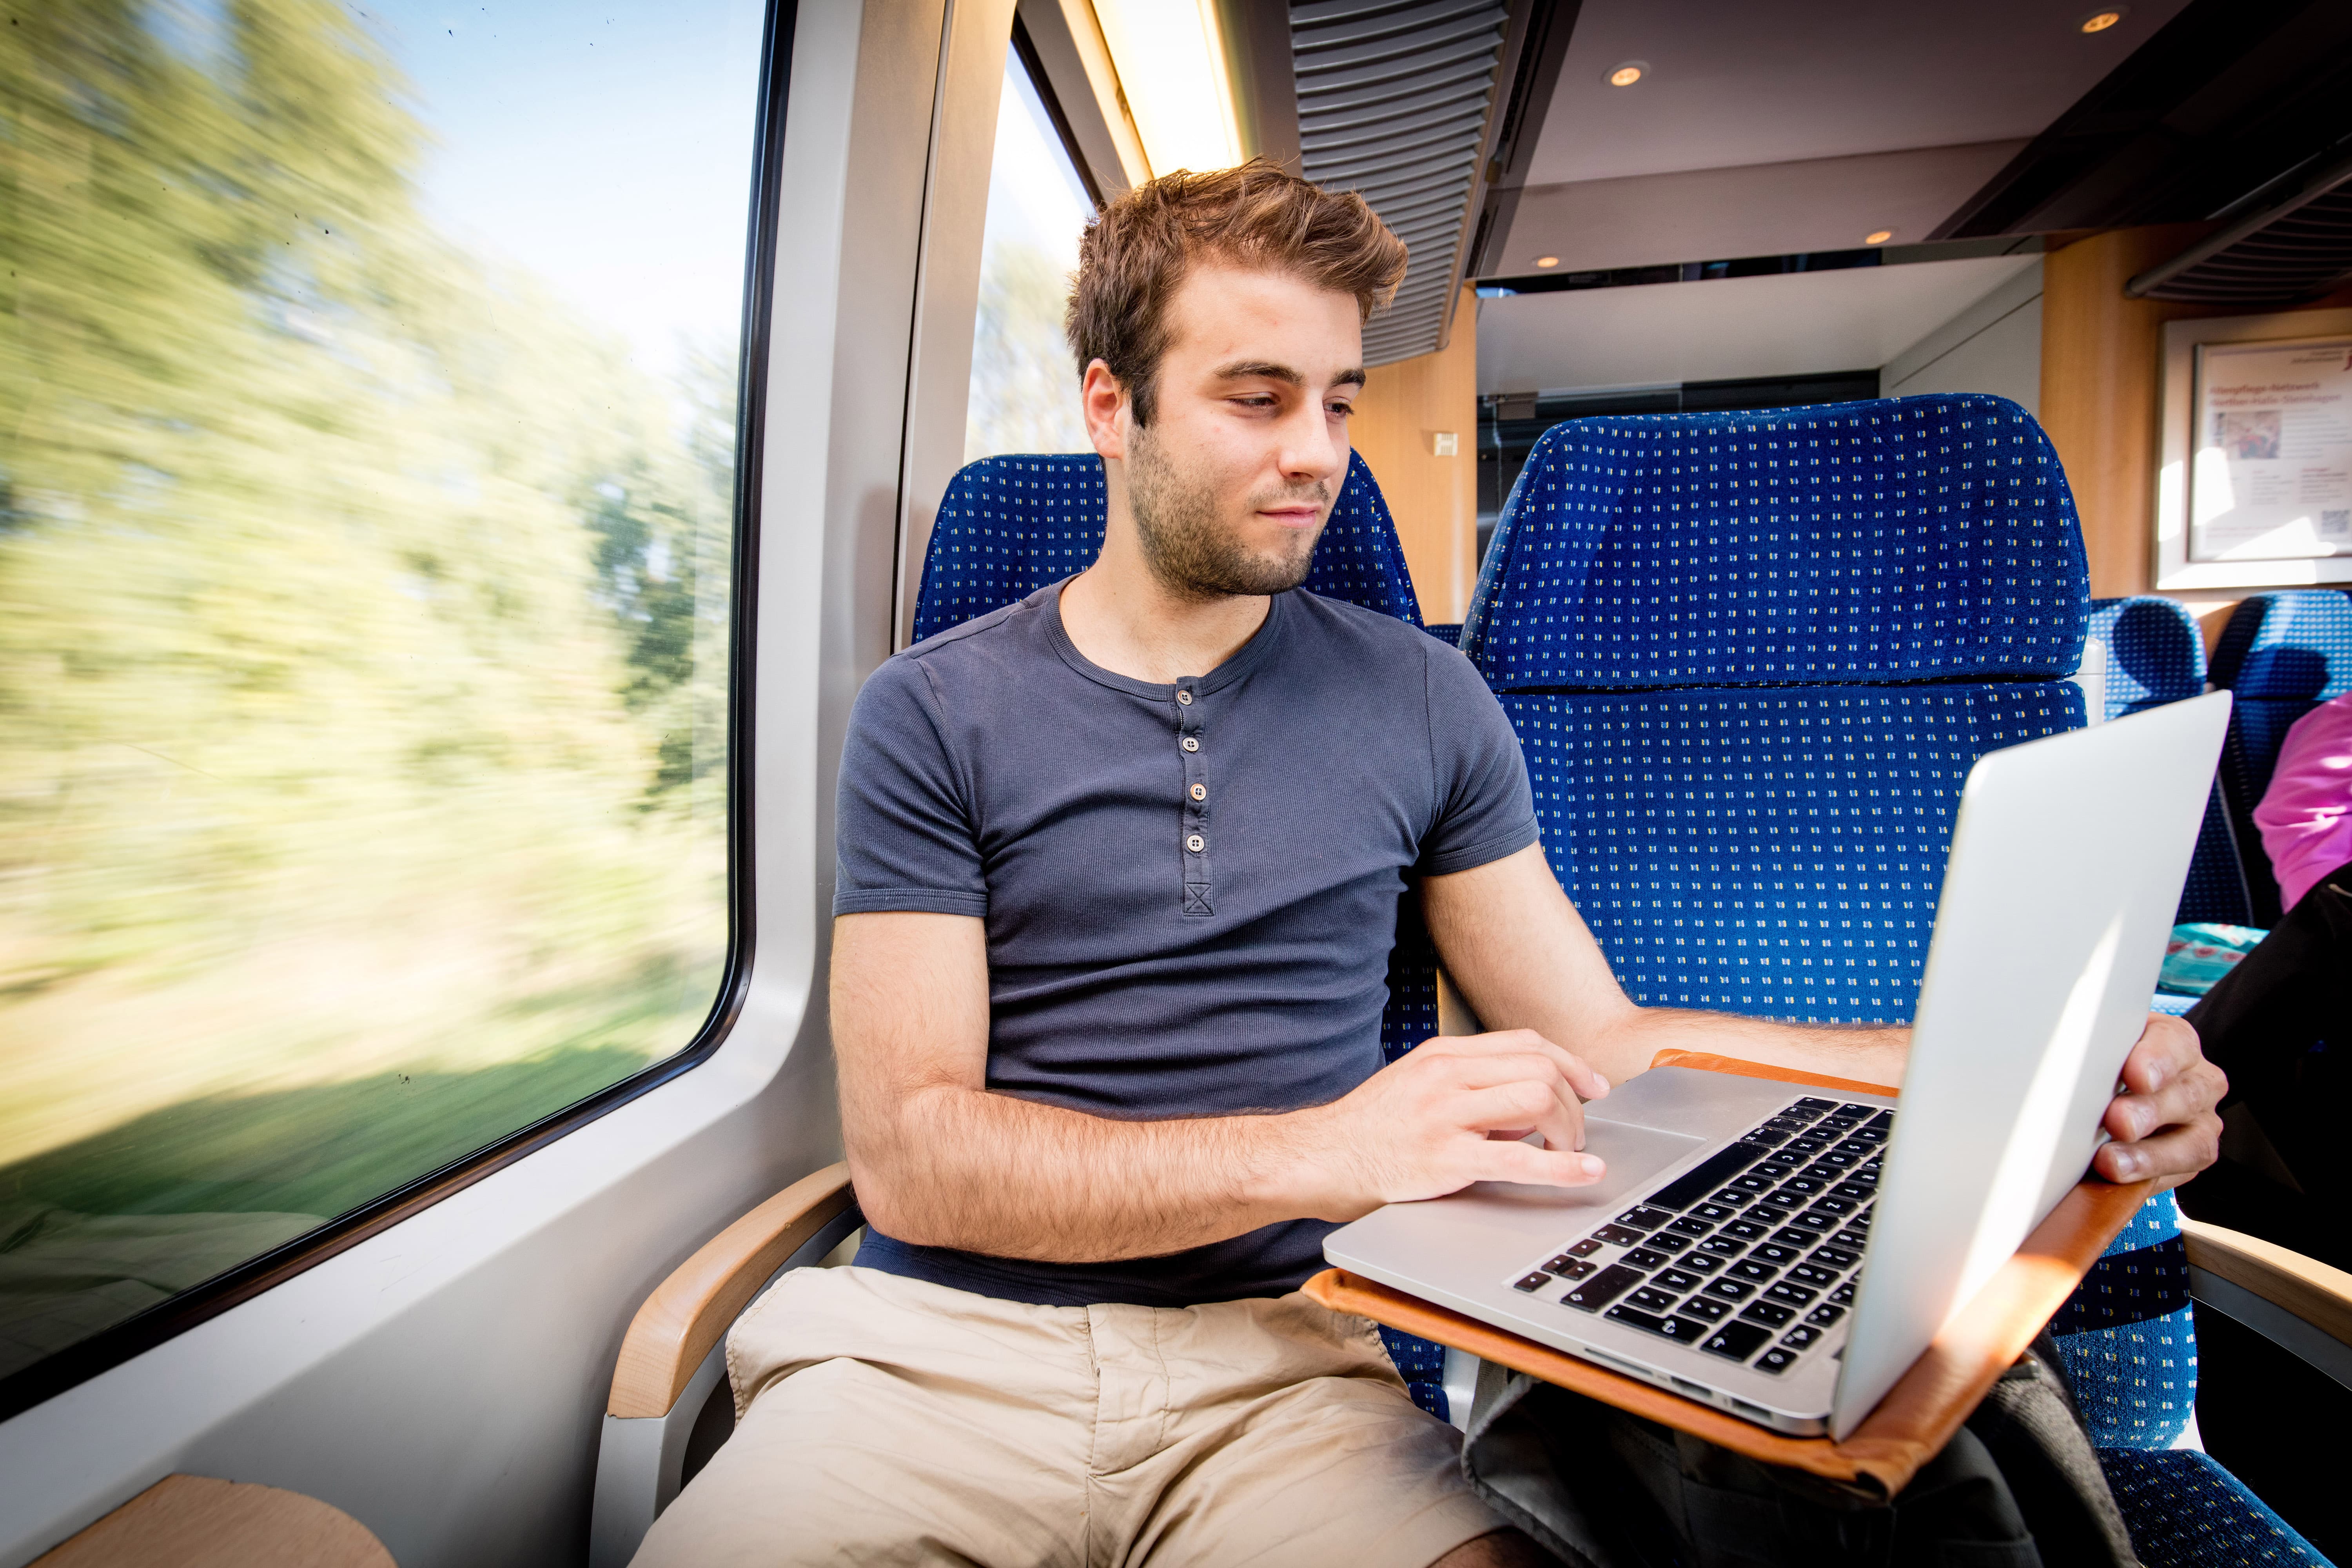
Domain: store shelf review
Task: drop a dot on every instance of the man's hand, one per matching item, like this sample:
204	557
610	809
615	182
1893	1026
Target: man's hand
2163	1124
1448	1114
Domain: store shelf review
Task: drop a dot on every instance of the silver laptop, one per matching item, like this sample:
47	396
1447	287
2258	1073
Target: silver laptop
1787	1253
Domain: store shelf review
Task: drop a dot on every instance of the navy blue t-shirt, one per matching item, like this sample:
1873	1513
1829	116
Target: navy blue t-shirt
1189	891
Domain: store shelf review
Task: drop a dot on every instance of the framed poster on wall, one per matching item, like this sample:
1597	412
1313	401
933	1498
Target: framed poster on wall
2254	479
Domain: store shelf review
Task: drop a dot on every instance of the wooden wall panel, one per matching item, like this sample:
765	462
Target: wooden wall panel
1403	408
2101	376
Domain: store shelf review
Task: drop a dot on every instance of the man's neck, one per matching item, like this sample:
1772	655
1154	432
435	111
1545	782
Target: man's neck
1121	618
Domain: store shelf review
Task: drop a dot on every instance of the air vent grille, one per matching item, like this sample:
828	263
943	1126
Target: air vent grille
2296	257
1394	97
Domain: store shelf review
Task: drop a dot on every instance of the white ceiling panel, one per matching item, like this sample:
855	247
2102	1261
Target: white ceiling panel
1787	324
1773	209
1733	82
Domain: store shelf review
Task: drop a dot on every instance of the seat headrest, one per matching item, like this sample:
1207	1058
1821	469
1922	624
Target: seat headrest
2155	652
2295	644
1902	538
1008	526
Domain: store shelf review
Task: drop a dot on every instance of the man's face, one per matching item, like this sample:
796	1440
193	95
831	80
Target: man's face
1232	482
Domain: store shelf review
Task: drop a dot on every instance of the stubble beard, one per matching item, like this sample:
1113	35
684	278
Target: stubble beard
1188	549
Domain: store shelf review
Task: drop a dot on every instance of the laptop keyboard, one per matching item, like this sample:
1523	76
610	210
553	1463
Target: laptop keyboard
1751	1254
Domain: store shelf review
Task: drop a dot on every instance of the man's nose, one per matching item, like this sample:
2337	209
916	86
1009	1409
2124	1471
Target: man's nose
1314	446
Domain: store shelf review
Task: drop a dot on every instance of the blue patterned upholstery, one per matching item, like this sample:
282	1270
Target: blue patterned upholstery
1908	539
2186	1511
1008	526
1751	659
2280	656
2155	655
1449	634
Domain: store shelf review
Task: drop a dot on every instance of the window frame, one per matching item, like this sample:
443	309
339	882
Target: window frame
110	1347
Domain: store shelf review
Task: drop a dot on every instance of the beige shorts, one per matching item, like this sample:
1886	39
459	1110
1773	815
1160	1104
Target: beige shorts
887	1420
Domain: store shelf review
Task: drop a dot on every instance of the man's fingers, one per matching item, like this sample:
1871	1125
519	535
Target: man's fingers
1580	1074
2171	1157
2166	1046
1544	1167
2195	1089
1526	1104
1477	1072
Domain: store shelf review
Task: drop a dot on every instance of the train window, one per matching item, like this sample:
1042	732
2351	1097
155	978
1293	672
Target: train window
1024	391
367	498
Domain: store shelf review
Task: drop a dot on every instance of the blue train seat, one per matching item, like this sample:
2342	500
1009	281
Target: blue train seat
2155	655
2280	656
1010	525
1751	657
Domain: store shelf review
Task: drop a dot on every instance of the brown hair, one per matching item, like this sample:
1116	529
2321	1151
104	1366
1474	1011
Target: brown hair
1132	257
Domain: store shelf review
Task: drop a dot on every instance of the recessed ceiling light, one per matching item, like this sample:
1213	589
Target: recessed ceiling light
2100	21
1878	236
1546	261
1629	73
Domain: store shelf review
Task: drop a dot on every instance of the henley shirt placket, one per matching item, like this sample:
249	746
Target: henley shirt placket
1193	750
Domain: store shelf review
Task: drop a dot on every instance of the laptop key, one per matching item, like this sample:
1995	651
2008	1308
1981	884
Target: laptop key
1852	1240
1533	1282
1572	1268
1731	1290
1811	1106
1676	1279
1793	1295
1712	1213
1775	1252
1766	1136
1825	1315
1835	1205
1748	1269
1707	1175
1731	1198
1804	1185
1821	1222
1682	1328
1860	1192
1844	1293
1591	1295
1689	1227
1666	1241
1776	1360
1585	1249
1789	1236
1699	1262
1642	1258
1800	1337
1810	1143
1769	1213
1705	1306
1723	1246
1836	1258
1645	1217
1753	1183
1747	1229
1814	1275
1771	1314
1652	1300
1618	1235
1735	1341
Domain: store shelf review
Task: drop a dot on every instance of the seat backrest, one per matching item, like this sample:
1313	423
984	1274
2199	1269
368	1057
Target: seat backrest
2155	655
1751	657
2280	656
1008	526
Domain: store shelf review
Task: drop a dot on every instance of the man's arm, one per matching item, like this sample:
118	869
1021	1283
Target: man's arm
938	1160
1523	959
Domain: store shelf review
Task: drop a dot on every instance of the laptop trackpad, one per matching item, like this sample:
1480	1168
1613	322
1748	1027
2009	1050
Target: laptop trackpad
1636	1156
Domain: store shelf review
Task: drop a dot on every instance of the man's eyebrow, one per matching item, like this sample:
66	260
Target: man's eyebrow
1243	370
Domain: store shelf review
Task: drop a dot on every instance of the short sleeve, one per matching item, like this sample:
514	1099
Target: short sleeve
904	828
1484	808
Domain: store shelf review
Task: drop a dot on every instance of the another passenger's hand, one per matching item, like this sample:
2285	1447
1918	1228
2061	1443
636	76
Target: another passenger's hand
2163	1120
1451	1114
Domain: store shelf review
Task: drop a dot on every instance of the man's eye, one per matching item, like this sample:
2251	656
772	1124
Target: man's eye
1343	409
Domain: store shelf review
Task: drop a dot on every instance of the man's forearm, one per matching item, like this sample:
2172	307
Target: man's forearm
960	1167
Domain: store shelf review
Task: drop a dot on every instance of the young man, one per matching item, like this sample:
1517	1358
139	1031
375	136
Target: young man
1119	876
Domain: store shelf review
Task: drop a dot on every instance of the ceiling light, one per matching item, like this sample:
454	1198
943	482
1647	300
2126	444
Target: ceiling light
1878	236
1546	261
1170	57
1629	73
2100	21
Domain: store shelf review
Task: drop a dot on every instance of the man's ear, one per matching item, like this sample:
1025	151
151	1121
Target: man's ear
1104	400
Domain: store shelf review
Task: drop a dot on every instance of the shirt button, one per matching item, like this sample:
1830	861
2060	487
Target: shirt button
1185	698
1196	844
1192	742
1199	792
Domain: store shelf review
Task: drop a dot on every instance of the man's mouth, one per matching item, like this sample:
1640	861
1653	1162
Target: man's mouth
1305	514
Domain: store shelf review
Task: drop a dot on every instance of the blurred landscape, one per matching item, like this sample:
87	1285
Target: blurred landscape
364	621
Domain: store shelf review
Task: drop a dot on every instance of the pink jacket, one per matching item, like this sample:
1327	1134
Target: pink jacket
2306	815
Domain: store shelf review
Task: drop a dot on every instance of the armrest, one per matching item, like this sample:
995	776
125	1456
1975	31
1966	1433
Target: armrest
691	1310
2297	1302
